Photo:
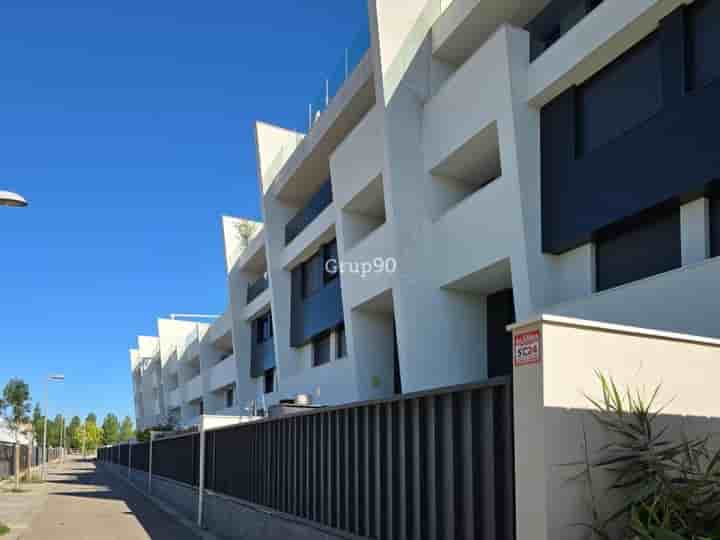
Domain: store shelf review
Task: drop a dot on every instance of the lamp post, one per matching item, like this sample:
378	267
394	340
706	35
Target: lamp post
8	198
45	460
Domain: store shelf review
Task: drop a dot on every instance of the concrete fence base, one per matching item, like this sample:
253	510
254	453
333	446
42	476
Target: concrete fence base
227	517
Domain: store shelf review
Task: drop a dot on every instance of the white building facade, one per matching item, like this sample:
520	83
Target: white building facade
482	162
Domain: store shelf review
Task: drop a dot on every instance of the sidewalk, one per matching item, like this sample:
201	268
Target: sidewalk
17	510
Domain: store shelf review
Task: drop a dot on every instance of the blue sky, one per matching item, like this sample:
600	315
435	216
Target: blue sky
128	125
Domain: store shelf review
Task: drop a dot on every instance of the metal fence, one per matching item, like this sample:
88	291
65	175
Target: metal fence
429	465
28	458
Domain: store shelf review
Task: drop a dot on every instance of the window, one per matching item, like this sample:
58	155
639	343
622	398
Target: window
312	274
330	254
321	350
645	248
202	407
341	342
269	380
230	397
263	328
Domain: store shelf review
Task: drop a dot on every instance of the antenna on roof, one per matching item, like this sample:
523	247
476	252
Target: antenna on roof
175	316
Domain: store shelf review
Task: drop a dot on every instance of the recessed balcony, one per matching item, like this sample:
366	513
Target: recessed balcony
317	203
256	288
223	373
193	388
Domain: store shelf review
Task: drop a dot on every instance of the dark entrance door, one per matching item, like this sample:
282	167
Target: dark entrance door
500	313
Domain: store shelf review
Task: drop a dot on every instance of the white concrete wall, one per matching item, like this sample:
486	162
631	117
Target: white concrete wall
551	420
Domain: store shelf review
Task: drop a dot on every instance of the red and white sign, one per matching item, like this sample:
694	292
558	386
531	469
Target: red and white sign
526	346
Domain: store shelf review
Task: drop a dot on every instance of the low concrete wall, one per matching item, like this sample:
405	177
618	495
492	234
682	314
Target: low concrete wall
181	497
232	518
228	517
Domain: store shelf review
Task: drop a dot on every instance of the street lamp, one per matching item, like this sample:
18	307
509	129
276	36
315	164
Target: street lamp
45	460
8	198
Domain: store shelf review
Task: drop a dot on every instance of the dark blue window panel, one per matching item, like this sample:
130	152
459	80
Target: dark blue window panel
638	250
636	136
704	30
715	227
317	203
623	95
500	313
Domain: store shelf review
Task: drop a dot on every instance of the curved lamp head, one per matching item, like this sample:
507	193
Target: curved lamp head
8	198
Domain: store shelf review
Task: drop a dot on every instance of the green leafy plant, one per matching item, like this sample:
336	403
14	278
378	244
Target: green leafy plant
671	489
4	529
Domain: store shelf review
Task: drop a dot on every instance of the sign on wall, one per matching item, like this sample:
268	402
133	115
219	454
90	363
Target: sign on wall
526	348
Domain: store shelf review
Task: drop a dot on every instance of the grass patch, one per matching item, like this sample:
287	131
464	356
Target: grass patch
4	529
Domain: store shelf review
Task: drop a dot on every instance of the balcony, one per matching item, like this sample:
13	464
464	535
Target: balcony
556	20
256	288
318	202
193	388
223	373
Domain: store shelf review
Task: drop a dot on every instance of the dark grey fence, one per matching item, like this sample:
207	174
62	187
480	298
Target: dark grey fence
421	466
140	457
7	458
123	454
177	458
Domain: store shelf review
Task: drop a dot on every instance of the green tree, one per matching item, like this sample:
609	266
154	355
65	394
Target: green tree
15	407
38	423
91	418
74	425
111	429
126	429
88	437
55	431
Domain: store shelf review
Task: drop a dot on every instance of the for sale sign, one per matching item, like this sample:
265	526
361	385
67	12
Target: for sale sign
526	347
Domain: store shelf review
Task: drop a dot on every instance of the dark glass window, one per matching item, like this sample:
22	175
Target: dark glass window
645	248
263	328
230	397
269	380
715	227
321	350
330	261
312	273
341	342
202	407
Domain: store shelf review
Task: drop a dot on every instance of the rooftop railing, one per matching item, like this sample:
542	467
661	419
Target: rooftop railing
556	20
303	122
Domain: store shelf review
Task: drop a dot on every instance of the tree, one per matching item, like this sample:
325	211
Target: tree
126	429
74	425
15	407
91	418
88	437
111	429
38	422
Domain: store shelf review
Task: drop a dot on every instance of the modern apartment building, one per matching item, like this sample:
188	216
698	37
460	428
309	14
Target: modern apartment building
481	162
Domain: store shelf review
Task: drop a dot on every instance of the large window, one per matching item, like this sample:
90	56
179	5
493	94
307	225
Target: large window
321	349
263	328
230	396
632	252
315	270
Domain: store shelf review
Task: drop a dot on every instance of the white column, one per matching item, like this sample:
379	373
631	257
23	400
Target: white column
695	231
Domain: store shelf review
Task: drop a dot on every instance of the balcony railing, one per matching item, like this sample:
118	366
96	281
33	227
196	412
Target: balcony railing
556	20
303	121
256	288
319	202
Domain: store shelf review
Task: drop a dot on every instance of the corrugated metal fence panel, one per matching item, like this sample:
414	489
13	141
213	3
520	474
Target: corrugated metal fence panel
431	466
177	458
140	456
123	457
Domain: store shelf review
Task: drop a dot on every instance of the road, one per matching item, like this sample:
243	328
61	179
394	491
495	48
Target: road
85	503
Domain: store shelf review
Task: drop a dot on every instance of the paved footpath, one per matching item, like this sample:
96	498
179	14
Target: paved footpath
85	503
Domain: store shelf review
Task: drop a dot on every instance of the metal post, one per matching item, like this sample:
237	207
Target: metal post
44	453
150	464
327	92
201	476
129	443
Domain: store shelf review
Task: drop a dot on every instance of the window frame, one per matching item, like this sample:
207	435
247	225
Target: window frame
325	336
340	338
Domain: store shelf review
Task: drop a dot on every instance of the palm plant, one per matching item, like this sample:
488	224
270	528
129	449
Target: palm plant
671	489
